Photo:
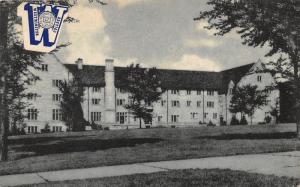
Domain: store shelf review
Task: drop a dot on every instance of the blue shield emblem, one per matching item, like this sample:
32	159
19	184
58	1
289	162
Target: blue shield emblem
41	25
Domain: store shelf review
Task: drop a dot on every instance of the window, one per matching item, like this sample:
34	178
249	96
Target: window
96	89
268	101
259	78
175	92
56	97
57	114
96	101
230	91
32	129
32	96
188	103
163	102
215	115
210	104
210	93
120	102
198	103
56	129
174	118
175	103
96	116
32	114
56	83
268	90
31	81
198	92
205	115
188	92
121	117
193	115
120	90
159	118
44	67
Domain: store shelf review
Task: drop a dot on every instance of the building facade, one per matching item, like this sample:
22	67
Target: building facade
192	98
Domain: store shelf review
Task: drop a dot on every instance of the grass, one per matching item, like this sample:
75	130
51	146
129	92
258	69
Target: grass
35	153
189	178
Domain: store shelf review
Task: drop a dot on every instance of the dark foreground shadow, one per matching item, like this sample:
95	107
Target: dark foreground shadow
35	140
251	136
73	145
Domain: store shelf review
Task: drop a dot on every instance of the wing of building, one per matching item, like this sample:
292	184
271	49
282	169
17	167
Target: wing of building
191	98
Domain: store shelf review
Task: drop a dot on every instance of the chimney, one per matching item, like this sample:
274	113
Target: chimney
109	65
79	63
109	94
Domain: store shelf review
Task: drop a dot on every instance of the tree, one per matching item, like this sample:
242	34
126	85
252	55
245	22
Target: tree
269	22
144	87
247	99
15	63
275	111
243	121
72	97
234	121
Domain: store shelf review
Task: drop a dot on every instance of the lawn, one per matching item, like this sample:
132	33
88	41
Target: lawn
102	148
189	178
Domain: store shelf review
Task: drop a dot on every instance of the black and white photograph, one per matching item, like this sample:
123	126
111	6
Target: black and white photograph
150	93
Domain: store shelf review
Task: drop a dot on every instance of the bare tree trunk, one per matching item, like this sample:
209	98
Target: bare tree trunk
140	123
4	120
295	61
4	133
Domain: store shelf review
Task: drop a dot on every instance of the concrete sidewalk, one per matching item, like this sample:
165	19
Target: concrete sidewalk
279	164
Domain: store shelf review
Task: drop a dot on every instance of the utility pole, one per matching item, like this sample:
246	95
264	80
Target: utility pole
3	103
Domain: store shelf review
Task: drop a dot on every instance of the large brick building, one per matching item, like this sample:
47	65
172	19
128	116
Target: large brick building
191	97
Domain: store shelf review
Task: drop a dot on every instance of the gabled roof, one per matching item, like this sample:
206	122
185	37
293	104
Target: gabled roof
92	75
235	75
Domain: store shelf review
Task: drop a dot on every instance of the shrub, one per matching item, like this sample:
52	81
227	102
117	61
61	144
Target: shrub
244	121
46	129
173	126
106	128
94	126
15	131
234	121
211	124
223	123
268	119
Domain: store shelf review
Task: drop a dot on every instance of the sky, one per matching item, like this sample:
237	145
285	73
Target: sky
153	33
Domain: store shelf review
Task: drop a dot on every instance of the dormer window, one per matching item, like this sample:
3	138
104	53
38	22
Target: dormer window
175	92
259	78
96	89
44	67
210	93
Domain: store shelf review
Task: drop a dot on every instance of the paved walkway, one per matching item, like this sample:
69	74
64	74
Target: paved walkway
280	164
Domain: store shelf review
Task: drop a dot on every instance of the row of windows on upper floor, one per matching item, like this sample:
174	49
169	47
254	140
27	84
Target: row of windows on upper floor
56	83
32	114
57	97
122	102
